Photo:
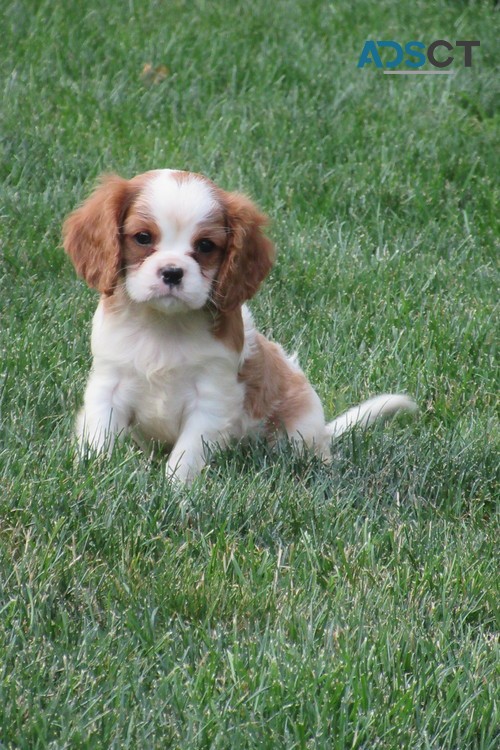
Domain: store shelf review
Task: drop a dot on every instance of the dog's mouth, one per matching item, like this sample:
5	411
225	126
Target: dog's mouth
168	303
173	299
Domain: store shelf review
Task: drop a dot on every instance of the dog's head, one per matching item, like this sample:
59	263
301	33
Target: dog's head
173	239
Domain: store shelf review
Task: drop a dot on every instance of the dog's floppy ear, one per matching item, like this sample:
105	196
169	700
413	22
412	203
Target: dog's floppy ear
249	254
92	233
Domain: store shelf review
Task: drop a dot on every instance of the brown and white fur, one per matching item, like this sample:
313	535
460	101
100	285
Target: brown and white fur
176	356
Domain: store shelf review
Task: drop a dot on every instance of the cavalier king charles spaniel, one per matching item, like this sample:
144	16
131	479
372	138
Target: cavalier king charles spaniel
176	356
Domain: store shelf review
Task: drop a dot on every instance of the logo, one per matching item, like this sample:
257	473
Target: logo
414	55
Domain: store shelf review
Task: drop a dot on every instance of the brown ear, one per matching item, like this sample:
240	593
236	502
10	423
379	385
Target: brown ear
249	255
92	233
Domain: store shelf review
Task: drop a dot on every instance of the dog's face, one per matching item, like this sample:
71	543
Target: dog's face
173	240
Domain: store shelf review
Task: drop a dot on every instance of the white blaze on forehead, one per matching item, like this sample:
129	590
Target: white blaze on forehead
179	198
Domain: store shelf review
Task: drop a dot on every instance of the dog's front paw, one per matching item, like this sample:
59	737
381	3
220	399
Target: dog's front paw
184	469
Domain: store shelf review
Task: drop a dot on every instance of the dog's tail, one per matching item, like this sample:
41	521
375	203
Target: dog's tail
378	407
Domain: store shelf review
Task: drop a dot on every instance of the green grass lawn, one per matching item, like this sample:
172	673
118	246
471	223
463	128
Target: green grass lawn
277	603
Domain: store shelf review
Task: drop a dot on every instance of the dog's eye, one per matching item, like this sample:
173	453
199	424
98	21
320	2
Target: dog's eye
205	246
143	238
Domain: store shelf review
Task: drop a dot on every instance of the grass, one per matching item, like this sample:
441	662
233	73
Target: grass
277	603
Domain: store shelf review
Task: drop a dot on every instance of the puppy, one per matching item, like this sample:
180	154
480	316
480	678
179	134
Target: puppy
176	356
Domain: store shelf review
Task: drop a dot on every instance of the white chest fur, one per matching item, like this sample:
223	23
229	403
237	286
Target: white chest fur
159	370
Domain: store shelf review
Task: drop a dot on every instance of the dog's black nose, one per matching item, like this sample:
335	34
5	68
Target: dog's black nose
172	275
